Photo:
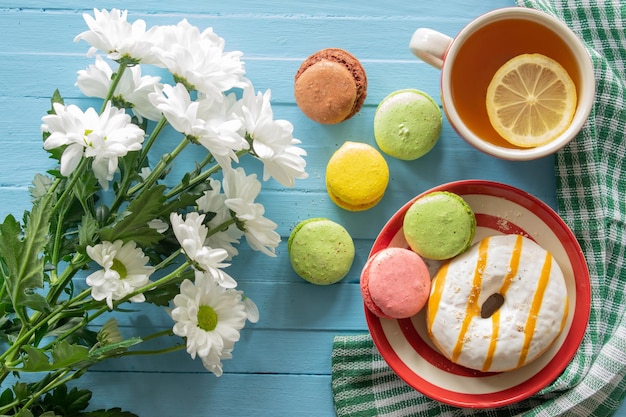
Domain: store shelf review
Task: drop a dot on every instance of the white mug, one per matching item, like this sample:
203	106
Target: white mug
469	61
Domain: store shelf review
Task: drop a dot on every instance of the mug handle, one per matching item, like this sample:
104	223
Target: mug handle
430	46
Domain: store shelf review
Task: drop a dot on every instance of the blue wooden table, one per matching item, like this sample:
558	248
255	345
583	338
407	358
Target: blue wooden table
281	366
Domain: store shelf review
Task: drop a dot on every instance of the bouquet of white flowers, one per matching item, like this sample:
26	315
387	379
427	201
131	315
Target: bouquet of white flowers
140	235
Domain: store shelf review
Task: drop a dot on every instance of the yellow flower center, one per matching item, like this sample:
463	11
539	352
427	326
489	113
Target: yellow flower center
120	268
207	318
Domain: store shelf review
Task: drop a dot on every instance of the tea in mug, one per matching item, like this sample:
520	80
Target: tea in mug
484	52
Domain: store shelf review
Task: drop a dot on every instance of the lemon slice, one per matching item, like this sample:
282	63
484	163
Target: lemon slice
531	100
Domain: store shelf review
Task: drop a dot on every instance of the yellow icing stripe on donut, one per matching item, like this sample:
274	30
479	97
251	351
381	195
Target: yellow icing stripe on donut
565	313
495	317
529	328
472	309
513	265
495	329
435	297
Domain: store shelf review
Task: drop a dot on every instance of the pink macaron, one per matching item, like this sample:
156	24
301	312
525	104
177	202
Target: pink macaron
395	283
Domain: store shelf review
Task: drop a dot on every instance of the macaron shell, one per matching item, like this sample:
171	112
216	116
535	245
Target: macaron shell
326	92
344	59
357	176
365	291
397	283
439	225
299	226
407	124
321	251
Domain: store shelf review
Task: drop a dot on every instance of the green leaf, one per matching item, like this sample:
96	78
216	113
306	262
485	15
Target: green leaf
56	98
40	187
80	333
7	396
129	167
64	355
87	230
21	253
133	225
111	342
114	349
21	390
184	200
36	360
87	187
163	294
65	403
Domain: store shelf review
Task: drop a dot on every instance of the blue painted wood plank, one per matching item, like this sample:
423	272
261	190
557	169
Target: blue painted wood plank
260	351
200	394
286	303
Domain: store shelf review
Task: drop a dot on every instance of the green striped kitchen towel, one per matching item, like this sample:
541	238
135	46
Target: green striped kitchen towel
591	188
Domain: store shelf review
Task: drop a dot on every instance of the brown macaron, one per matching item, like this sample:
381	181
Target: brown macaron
330	86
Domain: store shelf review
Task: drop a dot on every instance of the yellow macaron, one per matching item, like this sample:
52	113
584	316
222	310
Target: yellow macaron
357	176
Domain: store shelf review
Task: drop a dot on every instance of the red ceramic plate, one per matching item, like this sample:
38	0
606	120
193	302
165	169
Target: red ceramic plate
405	346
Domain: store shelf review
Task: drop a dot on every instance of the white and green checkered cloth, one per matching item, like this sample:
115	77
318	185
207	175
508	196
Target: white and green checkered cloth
591	191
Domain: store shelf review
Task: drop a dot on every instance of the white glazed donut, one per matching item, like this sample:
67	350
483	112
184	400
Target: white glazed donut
530	318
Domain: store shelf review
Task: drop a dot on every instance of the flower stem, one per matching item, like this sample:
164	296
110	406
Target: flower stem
151	139
163	163
155	284
165	262
123	190
158	334
174	348
114	82
221	227
69	189
200	178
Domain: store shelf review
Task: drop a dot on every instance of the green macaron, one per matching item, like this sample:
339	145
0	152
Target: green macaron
407	124
321	251
439	225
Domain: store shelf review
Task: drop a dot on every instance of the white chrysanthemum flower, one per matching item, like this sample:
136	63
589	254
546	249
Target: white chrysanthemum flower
212	201
198	60
273	141
105	138
124	270
204	120
241	190
112	34
191	233
210	318
131	92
